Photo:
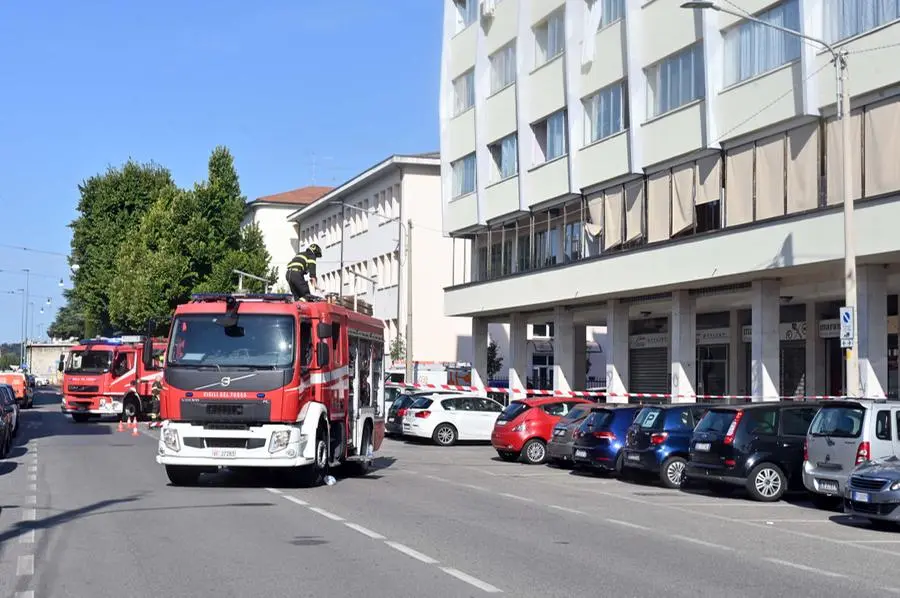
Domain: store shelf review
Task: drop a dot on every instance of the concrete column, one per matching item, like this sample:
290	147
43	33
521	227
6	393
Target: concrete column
518	357
872	322
735	353
765	381
617	359
479	352
563	350
684	348
579	342
815	353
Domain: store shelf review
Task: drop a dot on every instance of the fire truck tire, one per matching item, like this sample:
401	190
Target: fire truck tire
363	467
131	408
183	475
80	418
314	475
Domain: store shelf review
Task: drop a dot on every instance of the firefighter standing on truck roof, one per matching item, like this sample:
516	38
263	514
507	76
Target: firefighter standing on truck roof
303	263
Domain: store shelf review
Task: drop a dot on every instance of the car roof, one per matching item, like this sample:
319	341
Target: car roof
538	401
767	404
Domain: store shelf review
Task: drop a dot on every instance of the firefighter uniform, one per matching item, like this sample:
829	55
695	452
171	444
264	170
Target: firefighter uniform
303	263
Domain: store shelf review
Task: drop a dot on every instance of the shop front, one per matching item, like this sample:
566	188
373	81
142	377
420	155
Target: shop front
792	357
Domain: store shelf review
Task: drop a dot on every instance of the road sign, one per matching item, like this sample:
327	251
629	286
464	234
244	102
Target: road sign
847	328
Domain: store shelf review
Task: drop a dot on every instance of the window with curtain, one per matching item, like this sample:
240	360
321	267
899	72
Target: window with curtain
550	137
605	113
481	272
464	92
496	255
610	11
676	81
505	155
507	263
466	13
503	67
846	18
463	173
753	48
523	250
572	243
550	38
541	242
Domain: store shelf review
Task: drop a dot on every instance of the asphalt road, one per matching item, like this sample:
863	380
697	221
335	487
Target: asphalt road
86	511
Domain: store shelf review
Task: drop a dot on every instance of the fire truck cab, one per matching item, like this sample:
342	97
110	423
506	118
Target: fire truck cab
108	376
261	381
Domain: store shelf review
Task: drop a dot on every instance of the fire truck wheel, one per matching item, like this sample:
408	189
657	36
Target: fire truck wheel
79	418
365	466
314	475
183	475
131	408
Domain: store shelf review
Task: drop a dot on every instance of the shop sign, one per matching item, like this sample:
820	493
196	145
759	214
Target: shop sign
832	328
714	336
788	331
648	341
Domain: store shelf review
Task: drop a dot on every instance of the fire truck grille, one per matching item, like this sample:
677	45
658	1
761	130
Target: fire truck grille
241	443
82	388
225	411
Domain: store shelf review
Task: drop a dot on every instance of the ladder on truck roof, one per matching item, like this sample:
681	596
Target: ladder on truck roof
362	307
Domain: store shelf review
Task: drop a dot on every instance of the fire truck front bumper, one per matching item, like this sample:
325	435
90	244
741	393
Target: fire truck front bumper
91	405
268	445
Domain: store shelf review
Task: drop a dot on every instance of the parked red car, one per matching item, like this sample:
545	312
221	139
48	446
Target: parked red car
524	428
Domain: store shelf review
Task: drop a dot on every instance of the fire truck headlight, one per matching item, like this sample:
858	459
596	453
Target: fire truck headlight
170	439
279	440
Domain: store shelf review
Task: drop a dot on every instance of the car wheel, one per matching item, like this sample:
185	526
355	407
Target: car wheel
444	435
508	456
766	483
534	452
620	462
672	472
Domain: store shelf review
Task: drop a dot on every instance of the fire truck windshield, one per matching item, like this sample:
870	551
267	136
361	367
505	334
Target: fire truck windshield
258	341
89	361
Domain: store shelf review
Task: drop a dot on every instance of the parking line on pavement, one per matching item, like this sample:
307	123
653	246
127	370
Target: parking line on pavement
25	565
295	500
804	568
567	509
410	552
474	581
29	515
516	497
327	514
627	524
703	543
274	491
26	594
364	531
31	500
32	477
27	537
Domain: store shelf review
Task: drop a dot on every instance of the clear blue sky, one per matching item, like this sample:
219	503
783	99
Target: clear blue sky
282	83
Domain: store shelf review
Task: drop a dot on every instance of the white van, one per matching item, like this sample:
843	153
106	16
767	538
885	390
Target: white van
844	434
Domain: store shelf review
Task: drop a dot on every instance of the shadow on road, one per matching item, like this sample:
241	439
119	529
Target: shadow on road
7	467
23	527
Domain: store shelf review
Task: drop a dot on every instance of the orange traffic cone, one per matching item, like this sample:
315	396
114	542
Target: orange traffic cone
134	430
133	423
121	426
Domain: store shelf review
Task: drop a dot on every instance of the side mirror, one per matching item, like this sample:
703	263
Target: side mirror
322	354
323	330
147	356
62	363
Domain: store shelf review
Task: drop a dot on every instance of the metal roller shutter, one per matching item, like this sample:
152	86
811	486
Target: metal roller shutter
648	370
793	368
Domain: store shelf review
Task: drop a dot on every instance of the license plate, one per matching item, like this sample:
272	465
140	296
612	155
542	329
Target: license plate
559	432
390	420
702	446
581	453
828	486
860	496
224	453
634	457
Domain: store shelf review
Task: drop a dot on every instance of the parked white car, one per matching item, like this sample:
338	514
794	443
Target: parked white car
446	419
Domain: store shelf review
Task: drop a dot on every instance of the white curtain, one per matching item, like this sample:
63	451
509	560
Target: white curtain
846	18
556	135
753	48
591	25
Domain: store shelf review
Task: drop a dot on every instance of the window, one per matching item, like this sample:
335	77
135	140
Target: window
550	135
466	13
550	38
542	330
883	425
760	422
795	422
572	247
676	81
610	11
464	92
605	113
505	154
503	67
463	175
846	18
753	48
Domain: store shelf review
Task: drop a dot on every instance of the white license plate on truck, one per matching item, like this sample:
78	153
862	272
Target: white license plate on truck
224	453
702	446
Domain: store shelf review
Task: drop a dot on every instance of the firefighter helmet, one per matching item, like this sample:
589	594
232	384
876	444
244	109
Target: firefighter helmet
317	251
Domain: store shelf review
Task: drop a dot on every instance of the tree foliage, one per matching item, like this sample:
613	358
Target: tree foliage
179	241
398	348
69	322
494	360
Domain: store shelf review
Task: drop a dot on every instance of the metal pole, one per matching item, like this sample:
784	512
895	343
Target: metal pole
241	283
341	280
25	311
852	356
409	295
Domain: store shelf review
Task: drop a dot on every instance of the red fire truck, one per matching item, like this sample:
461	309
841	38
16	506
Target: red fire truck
261	381
109	376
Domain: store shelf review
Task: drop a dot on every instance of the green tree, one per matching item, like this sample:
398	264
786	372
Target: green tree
494	360
8	360
69	321
398	348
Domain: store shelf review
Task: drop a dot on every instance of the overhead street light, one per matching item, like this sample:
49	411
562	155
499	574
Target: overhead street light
839	59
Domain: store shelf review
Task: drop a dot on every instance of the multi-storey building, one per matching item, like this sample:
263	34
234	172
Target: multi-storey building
270	213
674	174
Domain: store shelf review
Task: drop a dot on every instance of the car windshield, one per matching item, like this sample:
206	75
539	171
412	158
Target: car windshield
513	410
716	422
578	412
421	404
842	422
89	361
258	341
650	418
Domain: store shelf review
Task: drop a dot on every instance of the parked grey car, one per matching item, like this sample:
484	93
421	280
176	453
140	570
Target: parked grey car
874	491
845	434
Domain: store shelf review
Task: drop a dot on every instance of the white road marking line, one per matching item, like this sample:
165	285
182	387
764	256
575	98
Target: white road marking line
295	500
872	541
32	487
32	469
434	477
793	521
29	515
804	568
892	590
364	531
566	509
627	524
410	552
474	487
325	513
25	565
274	490
725	504
474	581
32	477
25	594
27	537
31	500
703	543
516	497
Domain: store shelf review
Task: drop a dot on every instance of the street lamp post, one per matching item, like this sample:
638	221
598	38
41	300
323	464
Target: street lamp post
839	59
25	313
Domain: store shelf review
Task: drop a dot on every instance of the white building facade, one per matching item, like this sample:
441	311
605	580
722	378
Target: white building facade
675	175
362	227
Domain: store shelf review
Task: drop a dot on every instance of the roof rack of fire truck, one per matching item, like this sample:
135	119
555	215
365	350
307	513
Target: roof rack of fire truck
202	297
114	340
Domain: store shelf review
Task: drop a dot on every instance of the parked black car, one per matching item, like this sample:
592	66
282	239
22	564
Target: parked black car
758	446
561	444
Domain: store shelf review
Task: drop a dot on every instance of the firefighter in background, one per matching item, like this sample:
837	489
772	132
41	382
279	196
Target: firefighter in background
303	263
156	388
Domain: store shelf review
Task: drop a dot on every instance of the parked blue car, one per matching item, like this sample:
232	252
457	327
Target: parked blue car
659	441
600	438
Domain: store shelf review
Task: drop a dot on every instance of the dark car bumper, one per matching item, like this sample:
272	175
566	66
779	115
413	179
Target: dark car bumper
645	459
596	457
561	450
883	506
701	472
393	425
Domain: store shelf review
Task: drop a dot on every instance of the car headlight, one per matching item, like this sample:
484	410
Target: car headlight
895	486
170	439
279	440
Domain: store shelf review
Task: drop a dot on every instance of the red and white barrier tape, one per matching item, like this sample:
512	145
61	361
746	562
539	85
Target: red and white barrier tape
600	393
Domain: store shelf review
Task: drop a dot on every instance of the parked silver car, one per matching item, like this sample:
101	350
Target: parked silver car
874	491
845	434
